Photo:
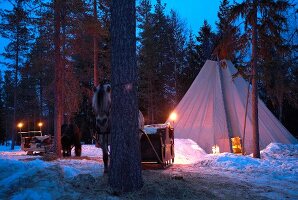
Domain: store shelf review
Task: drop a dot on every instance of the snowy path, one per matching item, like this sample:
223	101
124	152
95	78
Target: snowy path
195	175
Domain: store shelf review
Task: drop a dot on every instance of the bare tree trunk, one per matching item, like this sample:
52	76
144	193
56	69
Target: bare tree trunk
280	105
95	48
14	130
41	97
175	78
255	116
58	79
280	113
62	65
125	169
151	96
148	101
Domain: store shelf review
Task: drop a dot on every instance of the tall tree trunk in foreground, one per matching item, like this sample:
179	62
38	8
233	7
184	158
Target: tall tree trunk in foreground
255	116
95	48
125	166
58	79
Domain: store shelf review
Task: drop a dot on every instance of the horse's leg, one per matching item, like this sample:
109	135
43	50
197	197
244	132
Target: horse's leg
63	151
105	153
105	160
69	150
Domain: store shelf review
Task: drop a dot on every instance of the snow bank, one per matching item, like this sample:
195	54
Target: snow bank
277	169
229	161
276	157
187	151
8	148
19	177
280	151
29	177
90	151
32	194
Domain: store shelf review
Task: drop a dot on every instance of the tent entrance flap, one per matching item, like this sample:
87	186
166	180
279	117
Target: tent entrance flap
236	145
223	93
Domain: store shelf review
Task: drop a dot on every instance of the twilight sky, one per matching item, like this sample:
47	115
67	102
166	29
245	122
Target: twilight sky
193	12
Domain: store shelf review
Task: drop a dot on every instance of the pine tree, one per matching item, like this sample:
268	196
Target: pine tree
161	58
177	41
95	46
41	68
249	10
191	68
72	14
161	62
153	59
205	45
58	78
275	59
42	65
146	59
2	117
229	43
28	107
105	42
14	27
8	97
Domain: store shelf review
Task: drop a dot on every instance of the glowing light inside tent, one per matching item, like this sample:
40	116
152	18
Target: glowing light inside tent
173	116
215	149
236	145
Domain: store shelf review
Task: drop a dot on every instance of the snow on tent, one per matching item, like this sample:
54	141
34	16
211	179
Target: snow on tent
213	111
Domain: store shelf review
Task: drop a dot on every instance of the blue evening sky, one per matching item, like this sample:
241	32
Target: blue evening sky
193	12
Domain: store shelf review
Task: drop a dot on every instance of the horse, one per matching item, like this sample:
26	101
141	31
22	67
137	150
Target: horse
101	103
71	136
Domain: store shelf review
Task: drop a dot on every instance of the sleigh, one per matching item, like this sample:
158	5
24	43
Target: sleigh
157	145
34	142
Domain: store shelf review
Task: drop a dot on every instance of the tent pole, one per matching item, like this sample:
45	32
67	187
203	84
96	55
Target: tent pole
229	127
245	116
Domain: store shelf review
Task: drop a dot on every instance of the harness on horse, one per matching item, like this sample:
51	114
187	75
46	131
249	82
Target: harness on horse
97	134
105	135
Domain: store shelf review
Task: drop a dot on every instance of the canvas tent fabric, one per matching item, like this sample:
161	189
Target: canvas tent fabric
213	111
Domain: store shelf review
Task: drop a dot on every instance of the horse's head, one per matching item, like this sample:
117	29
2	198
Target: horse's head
101	104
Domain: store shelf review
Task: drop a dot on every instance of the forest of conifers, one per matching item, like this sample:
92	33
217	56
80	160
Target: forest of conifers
169	57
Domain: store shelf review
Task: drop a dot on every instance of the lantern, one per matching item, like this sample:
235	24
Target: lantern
215	149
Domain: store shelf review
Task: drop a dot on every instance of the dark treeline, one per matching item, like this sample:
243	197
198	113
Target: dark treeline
169	58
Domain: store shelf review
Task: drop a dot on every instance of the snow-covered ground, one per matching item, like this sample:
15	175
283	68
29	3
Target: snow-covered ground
277	169
30	177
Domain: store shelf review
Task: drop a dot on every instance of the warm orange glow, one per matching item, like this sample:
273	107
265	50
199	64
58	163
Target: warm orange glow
215	149
40	124
20	125
173	116
236	145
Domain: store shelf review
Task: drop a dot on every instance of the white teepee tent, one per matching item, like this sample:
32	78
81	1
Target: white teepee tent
213	111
